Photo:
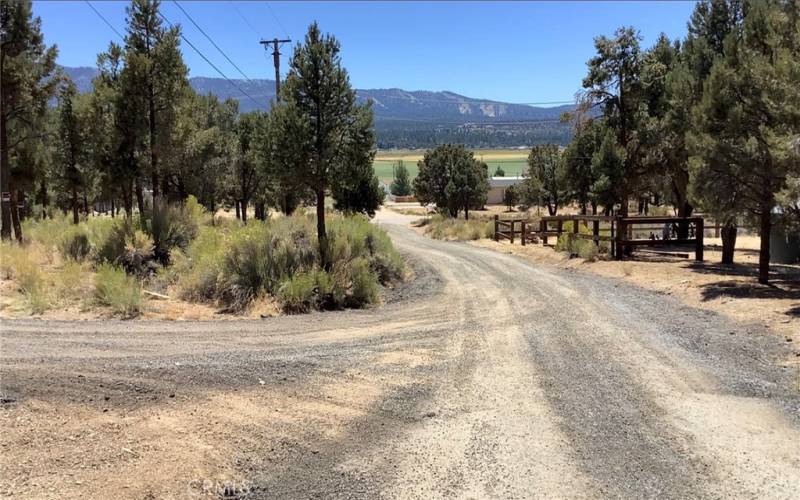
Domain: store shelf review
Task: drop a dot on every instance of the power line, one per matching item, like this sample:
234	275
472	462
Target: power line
244	18
207	60
104	20
210	40
280	24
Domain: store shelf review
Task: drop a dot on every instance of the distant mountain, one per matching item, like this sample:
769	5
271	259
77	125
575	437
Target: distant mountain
404	117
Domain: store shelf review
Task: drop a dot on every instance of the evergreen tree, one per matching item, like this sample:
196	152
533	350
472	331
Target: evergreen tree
247	176
401	186
614	83
158	75
70	151
451	178
499	172
28	76
320	134
511	197
546	170
745	124
580	175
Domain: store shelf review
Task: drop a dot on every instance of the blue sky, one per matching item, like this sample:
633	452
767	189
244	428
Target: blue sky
510	51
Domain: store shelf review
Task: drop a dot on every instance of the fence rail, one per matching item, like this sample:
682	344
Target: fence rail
619	231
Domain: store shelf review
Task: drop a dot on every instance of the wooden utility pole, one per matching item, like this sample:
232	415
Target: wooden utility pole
276	58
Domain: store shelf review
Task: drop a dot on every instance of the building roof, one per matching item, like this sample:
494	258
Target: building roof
505	181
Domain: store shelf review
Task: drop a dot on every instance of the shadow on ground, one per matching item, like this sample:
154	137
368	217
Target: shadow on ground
784	282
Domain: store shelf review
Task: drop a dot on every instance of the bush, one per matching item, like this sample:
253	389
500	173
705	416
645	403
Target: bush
297	294
16	264
75	243
199	268
114	288
172	226
364	283
128	247
588	251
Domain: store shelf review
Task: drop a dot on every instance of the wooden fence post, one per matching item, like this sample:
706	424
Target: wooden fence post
698	235
596	232
512	231
575	225
523	232
559	228
618	238
496	228
543	230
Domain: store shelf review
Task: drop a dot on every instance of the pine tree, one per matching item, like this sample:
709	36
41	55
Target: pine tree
28	76
546	169
70	146
321	136
401	186
745	124
158	75
614	83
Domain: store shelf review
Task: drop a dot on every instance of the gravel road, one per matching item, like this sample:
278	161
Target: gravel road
484	377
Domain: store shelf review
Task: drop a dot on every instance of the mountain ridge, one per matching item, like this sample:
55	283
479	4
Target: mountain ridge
388	103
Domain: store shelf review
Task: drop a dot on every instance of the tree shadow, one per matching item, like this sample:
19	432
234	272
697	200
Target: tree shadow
784	282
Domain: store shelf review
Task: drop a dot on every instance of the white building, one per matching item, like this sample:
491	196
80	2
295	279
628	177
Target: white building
498	186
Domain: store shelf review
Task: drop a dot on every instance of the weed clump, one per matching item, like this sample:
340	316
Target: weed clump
114	288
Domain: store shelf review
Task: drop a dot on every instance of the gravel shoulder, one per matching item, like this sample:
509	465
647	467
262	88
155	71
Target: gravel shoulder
485	376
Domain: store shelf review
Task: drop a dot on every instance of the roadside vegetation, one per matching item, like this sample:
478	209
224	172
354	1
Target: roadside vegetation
181	252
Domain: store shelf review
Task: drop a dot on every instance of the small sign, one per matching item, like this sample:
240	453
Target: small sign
6	196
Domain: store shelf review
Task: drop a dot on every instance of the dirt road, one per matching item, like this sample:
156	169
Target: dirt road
485	377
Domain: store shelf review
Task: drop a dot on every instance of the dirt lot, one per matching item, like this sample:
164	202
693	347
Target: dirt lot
483	377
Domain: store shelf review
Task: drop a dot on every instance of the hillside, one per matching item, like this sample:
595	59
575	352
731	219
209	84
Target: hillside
409	119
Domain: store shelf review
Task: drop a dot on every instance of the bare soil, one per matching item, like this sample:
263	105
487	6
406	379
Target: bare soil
484	377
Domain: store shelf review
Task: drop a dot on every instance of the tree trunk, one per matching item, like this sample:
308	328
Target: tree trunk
466	212
244	210
140	199
45	199
75	217
238	210
153	154
685	210
623	205
5	179
322	236
763	254
15	215
85	204
728	242
594	208
112	208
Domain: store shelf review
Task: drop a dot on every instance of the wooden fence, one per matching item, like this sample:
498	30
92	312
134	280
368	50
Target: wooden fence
622	233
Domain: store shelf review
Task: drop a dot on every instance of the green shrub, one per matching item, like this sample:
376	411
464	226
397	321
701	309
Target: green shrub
297	294
171	226
199	268
588	251
364	283
75	243
128	247
114	288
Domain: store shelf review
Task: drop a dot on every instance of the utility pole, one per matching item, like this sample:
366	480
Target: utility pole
276	58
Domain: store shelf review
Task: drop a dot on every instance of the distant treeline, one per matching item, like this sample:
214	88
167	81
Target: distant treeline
401	135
